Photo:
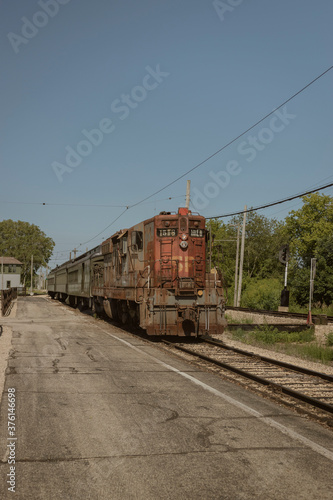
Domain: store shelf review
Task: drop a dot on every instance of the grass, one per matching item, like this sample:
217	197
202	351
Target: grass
328	310
299	344
244	321
329	339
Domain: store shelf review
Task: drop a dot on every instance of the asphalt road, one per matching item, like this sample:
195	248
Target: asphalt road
100	414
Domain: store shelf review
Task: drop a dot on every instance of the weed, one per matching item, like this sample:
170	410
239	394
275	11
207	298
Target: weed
329	339
240	335
300	344
317	352
243	321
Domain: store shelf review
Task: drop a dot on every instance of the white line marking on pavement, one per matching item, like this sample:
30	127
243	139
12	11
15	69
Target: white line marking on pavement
267	420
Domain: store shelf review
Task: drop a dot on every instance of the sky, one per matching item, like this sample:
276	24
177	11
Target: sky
105	103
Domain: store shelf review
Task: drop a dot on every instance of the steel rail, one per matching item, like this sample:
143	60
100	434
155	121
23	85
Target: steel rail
283	364
276	313
280	388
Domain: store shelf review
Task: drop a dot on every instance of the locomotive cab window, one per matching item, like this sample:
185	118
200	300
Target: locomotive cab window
137	241
123	245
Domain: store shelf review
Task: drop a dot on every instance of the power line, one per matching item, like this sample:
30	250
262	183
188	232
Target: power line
107	227
81	204
296	204
216	153
236	138
273	203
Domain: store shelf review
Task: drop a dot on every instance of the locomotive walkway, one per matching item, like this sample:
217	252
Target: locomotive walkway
100	414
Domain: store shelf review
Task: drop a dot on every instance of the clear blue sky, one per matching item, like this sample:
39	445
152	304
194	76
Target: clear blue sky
168	83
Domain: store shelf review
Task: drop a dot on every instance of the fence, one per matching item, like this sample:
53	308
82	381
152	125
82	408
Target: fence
7	297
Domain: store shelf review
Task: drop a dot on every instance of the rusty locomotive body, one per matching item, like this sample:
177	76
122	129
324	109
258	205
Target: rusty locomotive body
153	275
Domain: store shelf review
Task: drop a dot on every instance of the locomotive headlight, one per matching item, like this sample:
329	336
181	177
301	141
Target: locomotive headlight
184	237
183	244
200	293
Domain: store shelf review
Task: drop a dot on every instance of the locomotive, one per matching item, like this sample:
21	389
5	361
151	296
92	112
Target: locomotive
152	275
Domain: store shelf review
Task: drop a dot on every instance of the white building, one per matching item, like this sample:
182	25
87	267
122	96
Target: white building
10	276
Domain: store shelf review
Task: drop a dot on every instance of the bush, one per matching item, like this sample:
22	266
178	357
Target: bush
264	294
267	334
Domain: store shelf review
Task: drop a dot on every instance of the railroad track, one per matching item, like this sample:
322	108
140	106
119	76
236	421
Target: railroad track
277	313
311	387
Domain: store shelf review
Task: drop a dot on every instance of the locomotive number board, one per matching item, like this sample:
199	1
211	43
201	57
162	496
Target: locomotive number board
197	233
166	232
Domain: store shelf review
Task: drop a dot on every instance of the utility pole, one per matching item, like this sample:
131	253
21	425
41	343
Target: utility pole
236	267
188	188
210	247
74	253
32	266
241	259
312	277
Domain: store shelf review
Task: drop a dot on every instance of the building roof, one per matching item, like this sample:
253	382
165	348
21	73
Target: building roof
9	260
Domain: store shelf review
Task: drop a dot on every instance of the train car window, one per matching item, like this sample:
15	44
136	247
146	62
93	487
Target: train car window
137	241
169	232
73	276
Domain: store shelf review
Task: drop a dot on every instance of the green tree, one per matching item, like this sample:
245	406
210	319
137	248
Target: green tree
308	225
263	238
310	231
22	240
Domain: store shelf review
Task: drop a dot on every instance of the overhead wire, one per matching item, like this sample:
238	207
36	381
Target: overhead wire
261	207
299	202
216	153
235	138
81	204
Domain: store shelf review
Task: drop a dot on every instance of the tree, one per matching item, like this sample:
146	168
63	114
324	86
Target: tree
263	239
308	225
22	240
310	230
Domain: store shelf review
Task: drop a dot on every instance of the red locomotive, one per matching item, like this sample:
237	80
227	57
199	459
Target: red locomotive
153	275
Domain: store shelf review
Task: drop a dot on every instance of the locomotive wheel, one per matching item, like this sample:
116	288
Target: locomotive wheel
114	309
134	314
98	308
82	304
123	312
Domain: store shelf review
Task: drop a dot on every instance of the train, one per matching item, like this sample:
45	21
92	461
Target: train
154	275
